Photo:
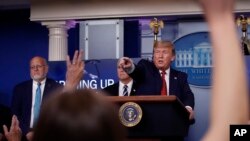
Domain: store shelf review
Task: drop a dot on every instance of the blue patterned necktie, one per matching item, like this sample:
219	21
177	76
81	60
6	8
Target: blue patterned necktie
37	103
125	90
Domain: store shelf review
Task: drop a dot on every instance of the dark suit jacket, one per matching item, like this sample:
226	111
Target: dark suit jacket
149	82
5	117
22	101
113	90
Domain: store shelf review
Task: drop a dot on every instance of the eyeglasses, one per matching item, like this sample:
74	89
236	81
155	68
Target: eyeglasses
36	67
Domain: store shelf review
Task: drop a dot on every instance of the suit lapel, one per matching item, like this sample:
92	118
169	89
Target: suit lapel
133	89
29	92
46	88
29	99
173	82
116	89
157	78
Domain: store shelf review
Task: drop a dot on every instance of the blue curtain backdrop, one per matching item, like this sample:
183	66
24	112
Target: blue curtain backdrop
20	40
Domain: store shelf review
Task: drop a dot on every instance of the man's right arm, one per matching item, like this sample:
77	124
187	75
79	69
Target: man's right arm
136	72
127	64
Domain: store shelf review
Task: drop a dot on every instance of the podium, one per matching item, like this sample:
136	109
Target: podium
163	116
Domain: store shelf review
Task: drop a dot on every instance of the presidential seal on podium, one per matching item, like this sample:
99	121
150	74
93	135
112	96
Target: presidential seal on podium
130	114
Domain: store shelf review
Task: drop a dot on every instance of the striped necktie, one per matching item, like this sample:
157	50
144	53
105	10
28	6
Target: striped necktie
38	99
125	90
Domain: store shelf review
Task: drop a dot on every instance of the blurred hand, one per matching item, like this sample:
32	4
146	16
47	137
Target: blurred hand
125	63
75	70
191	112
15	132
217	8
29	135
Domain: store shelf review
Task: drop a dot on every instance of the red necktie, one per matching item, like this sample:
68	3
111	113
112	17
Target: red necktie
164	84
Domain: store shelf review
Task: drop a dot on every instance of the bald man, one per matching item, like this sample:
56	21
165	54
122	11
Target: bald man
24	94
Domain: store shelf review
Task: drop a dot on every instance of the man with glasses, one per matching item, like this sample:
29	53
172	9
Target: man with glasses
28	95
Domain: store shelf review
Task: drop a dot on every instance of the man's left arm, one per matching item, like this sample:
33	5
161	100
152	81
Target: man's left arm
188	96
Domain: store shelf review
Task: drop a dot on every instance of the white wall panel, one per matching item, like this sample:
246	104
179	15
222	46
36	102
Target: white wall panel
89	9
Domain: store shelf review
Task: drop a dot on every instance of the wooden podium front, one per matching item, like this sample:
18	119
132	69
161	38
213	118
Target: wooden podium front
163	116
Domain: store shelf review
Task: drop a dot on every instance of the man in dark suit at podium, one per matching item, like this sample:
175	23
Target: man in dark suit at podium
158	78
25	94
125	87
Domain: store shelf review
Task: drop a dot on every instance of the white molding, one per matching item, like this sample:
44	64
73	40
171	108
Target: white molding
42	10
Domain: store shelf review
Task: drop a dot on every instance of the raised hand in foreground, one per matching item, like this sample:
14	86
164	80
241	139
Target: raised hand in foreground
15	133
229	93
75	70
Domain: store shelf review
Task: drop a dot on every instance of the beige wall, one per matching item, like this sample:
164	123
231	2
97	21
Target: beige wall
88	9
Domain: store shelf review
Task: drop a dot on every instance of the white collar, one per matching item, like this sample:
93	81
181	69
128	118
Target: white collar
42	82
167	71
129	84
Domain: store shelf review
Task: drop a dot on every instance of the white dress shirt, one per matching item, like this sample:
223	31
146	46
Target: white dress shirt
121	85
